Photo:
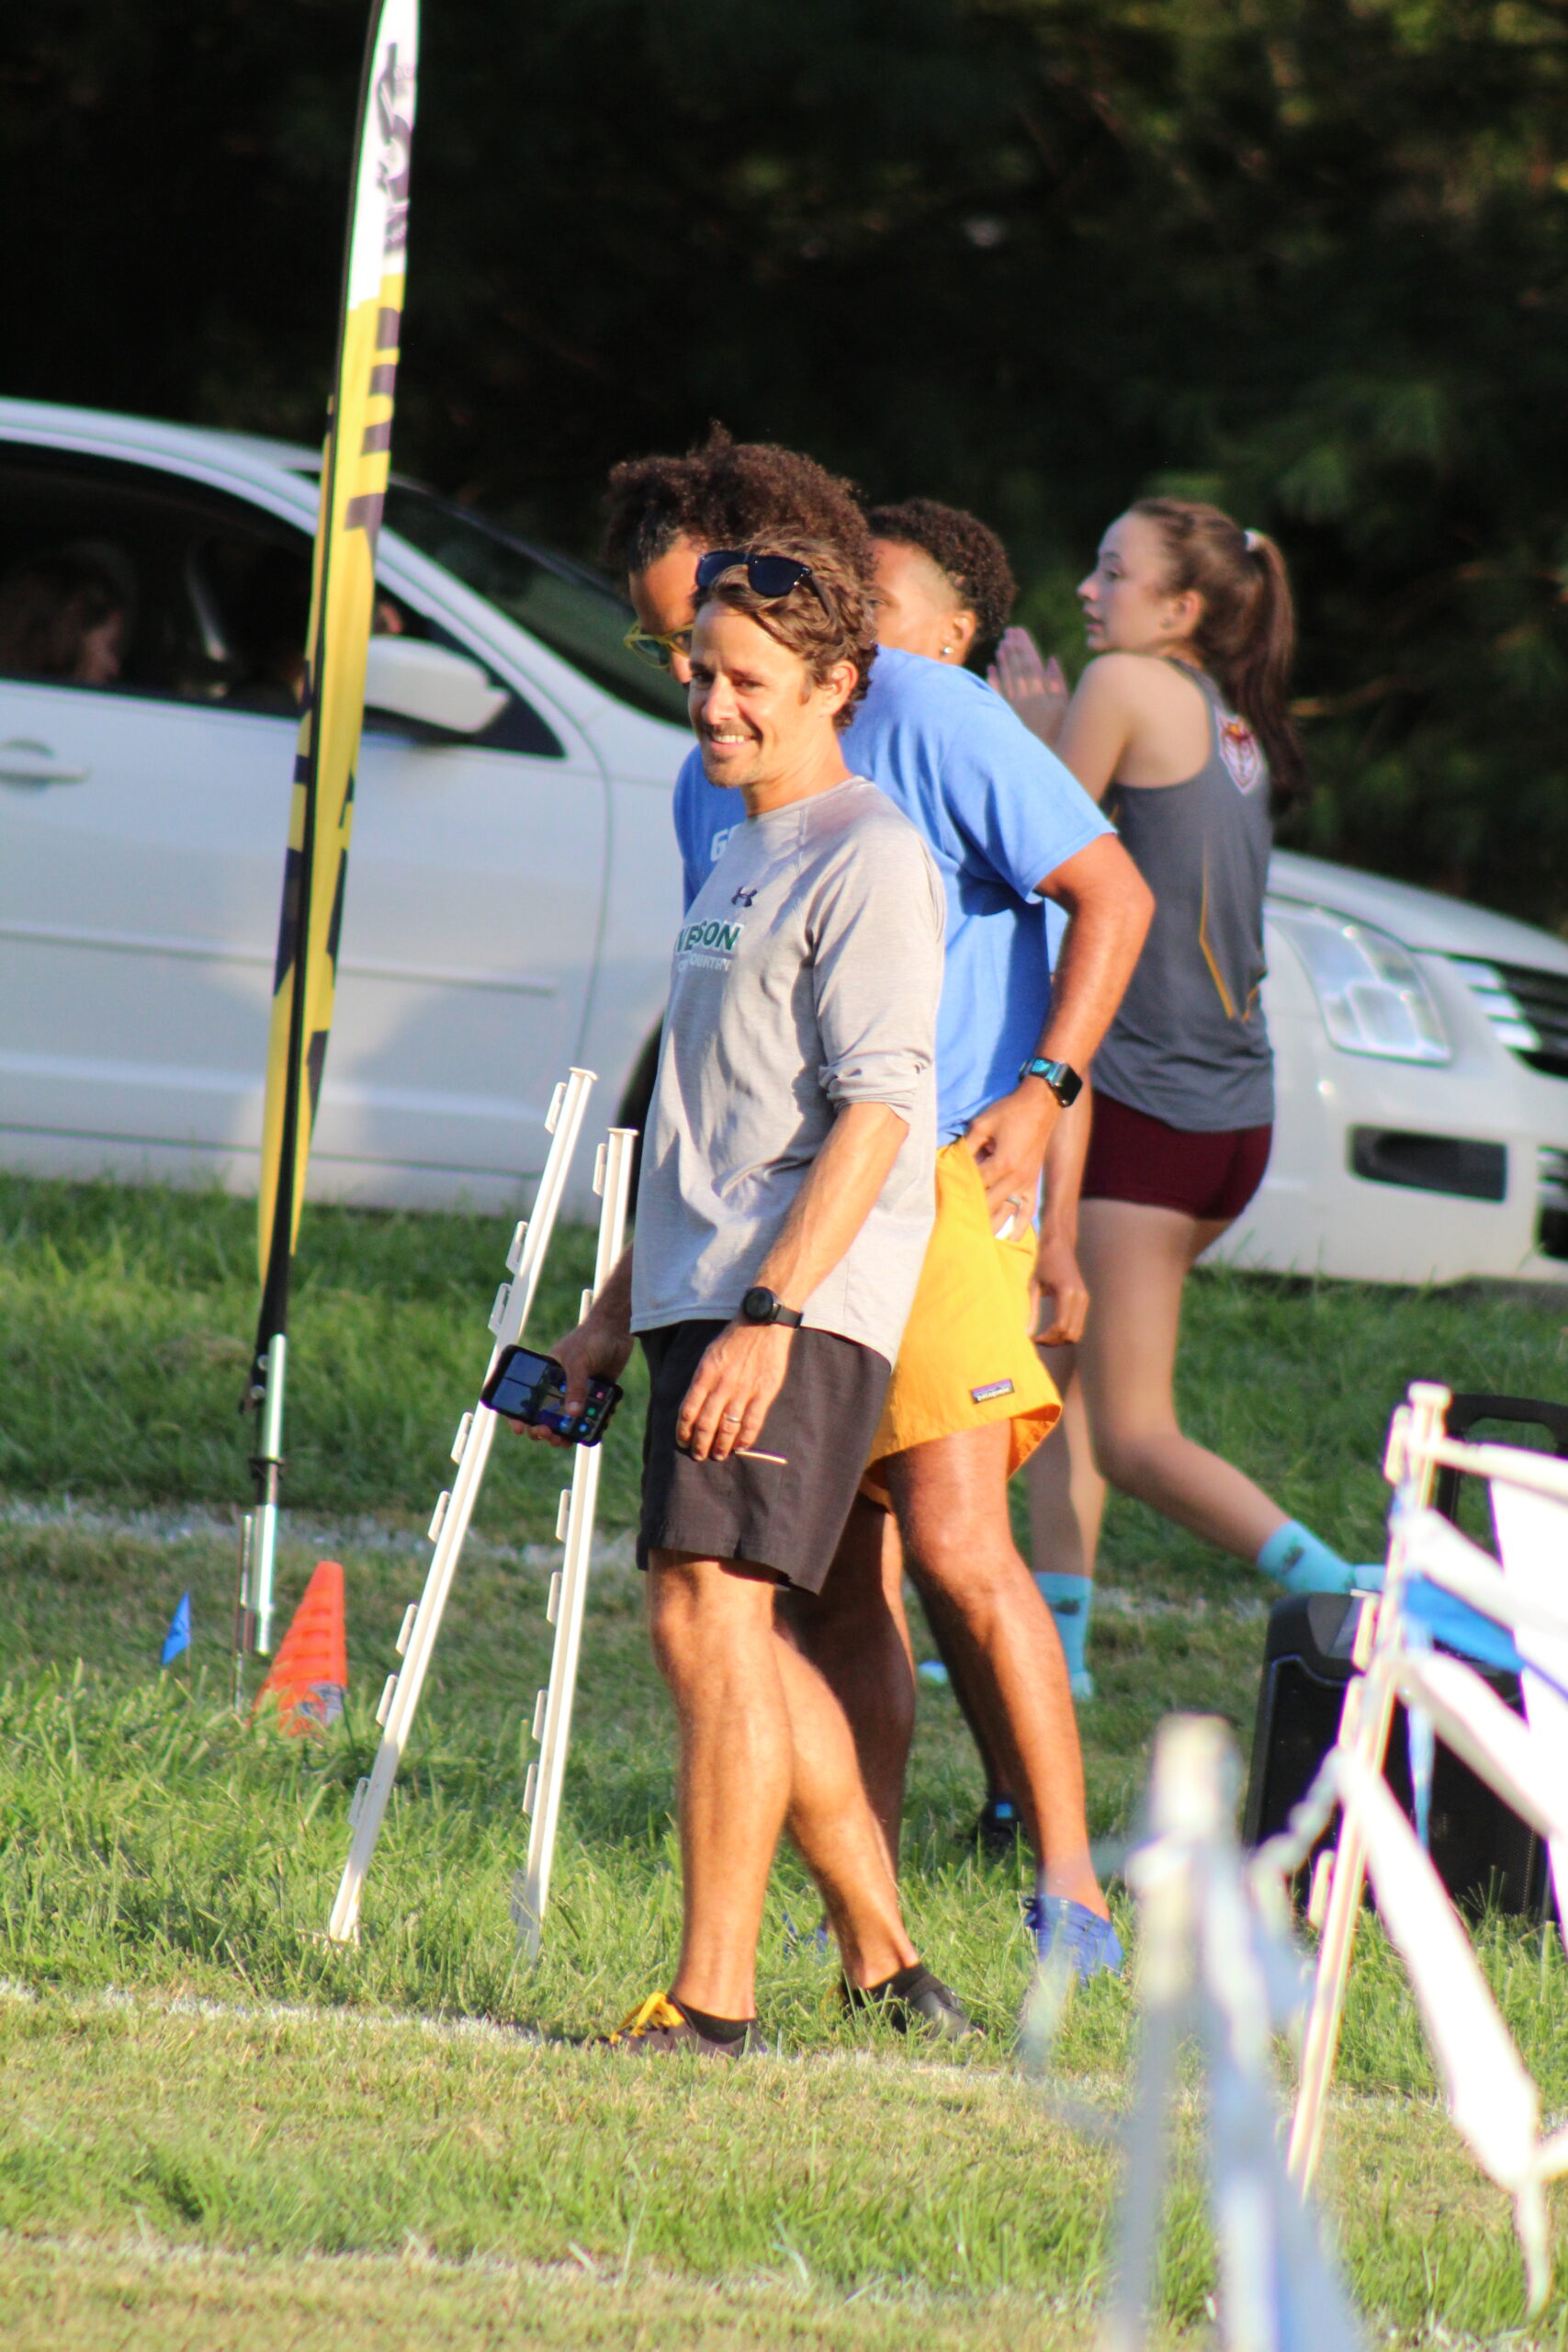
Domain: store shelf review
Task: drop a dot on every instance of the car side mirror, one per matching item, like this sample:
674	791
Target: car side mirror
407	677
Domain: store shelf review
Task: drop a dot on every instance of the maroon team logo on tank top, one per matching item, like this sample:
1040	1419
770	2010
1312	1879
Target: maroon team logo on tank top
1240	751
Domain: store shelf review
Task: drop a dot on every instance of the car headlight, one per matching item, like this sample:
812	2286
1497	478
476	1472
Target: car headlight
1370	990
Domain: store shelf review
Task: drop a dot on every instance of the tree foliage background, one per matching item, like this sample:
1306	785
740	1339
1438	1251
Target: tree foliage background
1034	256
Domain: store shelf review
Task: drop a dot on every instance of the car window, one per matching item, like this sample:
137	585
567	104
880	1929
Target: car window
571	609
118	578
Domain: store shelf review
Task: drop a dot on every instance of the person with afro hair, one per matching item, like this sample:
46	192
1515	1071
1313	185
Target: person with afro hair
662	512
944	581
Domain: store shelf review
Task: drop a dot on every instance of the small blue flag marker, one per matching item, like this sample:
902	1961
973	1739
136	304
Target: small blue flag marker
177	1638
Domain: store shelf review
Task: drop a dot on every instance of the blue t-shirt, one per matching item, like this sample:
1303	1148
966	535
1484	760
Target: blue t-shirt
998	812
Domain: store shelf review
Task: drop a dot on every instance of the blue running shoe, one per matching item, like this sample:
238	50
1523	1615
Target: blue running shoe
1089	1944
1081	1685
816	1946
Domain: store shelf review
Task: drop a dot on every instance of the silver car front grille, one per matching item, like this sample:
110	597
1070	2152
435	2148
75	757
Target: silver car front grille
1552	1227
1528	1009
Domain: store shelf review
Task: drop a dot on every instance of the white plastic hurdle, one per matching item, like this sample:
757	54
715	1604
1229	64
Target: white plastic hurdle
1216	1959
1365	1722
449	1526
1492	2099
568	1587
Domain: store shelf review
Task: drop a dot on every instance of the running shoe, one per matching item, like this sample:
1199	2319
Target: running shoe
657	2028
913	2002
998	1827
1081	1685
816	1946
1090	1945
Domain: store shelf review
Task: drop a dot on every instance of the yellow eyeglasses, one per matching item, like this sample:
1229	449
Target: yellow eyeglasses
655	648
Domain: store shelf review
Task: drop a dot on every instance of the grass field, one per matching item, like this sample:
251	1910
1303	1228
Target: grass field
216	2131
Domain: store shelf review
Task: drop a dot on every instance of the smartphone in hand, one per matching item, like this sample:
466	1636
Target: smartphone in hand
530	1388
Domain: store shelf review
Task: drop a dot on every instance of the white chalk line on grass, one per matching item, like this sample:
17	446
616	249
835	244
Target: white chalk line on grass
617	2273
115	2001
191	1523
1105	2090
613	1554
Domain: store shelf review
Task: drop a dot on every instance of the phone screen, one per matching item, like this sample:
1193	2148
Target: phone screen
524	1383
530	1388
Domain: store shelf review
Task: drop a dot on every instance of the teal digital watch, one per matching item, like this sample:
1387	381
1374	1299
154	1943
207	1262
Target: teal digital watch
1060	1076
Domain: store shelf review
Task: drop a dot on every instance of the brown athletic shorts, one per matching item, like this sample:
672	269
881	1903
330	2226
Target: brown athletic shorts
782	1504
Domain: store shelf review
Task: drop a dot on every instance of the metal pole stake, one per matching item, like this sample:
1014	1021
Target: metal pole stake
268	1468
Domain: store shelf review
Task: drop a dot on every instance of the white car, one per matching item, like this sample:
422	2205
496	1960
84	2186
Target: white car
1421	1063
513	886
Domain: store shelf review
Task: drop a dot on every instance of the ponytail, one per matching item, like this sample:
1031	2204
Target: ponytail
1246	633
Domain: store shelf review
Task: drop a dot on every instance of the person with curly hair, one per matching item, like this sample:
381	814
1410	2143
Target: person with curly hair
943	583
782	1213
969	1399
662	512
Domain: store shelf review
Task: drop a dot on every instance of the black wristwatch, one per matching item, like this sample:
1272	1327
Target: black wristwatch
1060	1076
761	1306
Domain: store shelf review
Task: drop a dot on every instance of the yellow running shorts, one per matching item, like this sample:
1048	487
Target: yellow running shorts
967	1359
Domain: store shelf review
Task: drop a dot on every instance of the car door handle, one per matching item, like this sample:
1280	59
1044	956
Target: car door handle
23	761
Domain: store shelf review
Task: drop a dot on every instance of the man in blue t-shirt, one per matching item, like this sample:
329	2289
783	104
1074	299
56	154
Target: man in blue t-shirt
1008	827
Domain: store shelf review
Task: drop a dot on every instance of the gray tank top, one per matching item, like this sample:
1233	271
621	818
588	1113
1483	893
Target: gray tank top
1188	1044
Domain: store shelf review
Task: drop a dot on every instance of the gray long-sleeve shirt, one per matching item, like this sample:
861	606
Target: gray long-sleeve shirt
805	975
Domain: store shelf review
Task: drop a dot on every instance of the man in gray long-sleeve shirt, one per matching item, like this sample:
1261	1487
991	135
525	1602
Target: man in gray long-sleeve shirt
783	1216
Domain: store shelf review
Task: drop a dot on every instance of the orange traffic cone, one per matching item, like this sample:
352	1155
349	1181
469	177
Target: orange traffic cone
309	1679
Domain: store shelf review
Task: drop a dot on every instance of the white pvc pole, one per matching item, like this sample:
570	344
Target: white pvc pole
545	1774
1365	1722
453	1513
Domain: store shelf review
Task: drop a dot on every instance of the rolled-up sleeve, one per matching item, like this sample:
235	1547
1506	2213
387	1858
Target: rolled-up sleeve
877	971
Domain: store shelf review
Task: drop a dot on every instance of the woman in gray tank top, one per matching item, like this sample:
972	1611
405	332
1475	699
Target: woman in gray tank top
1183	723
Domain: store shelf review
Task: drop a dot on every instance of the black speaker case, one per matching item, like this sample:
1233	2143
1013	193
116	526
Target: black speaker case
1483	1852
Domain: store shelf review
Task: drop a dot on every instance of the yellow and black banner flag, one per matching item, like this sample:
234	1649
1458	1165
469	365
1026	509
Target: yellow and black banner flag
354	468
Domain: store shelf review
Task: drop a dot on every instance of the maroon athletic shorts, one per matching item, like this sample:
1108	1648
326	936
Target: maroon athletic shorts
1134	1157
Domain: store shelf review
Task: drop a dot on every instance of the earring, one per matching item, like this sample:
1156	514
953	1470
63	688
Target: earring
945	651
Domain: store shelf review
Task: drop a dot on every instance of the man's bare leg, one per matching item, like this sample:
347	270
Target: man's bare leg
951	1498
741	1695
839	1836
713	1637
1067	1500
855	1633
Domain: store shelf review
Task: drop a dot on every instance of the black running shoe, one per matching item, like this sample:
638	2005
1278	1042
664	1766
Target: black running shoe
999	1828
658	2029
914	2001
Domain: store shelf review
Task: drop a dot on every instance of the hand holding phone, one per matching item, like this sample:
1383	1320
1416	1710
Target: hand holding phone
530	1388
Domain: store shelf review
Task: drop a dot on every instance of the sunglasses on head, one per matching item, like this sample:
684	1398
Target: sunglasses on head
657	648
772	577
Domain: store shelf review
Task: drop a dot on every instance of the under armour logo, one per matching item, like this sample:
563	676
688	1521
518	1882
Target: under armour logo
744	897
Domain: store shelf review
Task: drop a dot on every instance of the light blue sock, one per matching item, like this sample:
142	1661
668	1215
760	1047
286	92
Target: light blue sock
1302	1562
1069	1599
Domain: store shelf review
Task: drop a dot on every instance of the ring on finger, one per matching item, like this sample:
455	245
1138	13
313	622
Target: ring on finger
732	1417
